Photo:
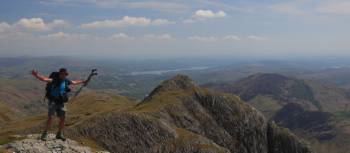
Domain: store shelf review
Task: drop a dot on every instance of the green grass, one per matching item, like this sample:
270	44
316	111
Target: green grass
9	139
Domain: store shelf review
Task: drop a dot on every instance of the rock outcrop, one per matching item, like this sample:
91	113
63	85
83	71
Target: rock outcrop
280	140
32	144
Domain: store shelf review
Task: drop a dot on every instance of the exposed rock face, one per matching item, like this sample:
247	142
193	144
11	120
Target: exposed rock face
279	138
180	117
32	144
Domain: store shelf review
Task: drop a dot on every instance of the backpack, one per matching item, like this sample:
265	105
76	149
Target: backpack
55	83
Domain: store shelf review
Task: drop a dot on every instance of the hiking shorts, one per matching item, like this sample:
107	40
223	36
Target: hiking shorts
56	108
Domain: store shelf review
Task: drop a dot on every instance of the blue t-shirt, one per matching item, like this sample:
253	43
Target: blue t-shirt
59	90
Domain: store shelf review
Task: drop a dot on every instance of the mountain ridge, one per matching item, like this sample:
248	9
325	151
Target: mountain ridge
181	117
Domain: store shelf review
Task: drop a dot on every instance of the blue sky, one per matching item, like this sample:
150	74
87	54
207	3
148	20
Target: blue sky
175	28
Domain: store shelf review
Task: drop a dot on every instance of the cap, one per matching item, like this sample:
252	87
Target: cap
63	70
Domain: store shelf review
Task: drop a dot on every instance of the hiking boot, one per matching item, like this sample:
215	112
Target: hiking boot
43	136
60	136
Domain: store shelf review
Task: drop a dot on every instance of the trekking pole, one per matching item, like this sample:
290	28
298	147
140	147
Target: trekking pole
93	73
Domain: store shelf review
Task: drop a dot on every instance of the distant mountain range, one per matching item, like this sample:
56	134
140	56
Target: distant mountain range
270	92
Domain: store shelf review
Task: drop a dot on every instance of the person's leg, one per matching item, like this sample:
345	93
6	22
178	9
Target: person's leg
61	124
61	113
48	123
51	112
47	127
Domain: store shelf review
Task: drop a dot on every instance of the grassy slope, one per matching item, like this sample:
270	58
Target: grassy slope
84	107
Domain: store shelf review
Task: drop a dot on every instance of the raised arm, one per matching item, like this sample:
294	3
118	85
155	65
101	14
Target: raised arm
78	82
40	77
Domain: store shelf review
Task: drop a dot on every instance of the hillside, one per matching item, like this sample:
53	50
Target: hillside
178	116
19	98
270	92
5	113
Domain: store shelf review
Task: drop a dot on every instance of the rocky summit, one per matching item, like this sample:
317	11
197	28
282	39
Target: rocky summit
32	144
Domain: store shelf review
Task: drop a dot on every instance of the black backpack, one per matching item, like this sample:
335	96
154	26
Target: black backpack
55	76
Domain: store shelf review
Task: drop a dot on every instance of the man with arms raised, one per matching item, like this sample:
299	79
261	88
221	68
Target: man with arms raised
57	89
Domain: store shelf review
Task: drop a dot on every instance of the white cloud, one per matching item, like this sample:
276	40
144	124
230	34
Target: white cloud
59	35
213	38
70	36
209	14
231	37
38	24
57	23
161	22
202	38
120	36
258	38
4	26
114	37
334	7
228	7
126	21
158	37
201	15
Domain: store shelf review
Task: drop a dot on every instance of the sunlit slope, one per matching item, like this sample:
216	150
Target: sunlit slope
22	97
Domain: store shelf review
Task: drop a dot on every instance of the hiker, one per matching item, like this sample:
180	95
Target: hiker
57	89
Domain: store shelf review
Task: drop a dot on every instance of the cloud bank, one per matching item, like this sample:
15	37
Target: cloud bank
125	22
